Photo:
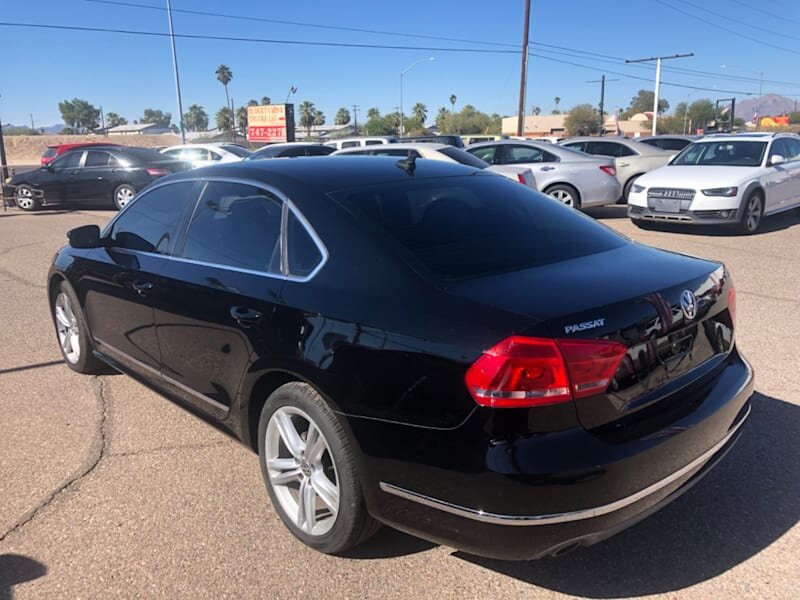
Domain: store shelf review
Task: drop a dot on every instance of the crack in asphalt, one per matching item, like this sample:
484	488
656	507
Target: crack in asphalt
19	279
97	451
199	446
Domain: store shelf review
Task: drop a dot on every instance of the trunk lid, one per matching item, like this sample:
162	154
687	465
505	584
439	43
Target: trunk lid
669	310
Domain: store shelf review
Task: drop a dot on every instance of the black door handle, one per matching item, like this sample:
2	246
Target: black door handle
142	287
244	315
73	172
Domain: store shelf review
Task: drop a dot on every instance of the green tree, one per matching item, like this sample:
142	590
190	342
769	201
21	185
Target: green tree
241	119
556	101
794	117
223	119
265	100
378	125
643	102
453	99
536	111
342	116
307	114
156	117
582	120
195	118
79	115
67	131
224	76
113	120
319	118
252	103
373	113
701	113
420	112
442	116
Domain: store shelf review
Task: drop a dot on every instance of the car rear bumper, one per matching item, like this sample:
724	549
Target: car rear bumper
534	512
606	190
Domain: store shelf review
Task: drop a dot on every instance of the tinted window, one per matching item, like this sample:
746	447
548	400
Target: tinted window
465	158
236	225
236	150
319	150
674	144
149	223
373	142
293	152
576	146
608	149
522	154
96	159
391	152
485	153
50	151
174	153
70	160
303	253
473	226
350	144
792	149
214	155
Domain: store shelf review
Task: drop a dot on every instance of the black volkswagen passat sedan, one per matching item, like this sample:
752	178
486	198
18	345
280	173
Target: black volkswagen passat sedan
103	175
419	344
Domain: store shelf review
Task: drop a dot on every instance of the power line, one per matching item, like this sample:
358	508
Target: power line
761	11
738	34
250	40
738	22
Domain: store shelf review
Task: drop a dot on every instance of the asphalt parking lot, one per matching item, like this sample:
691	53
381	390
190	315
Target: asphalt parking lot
107	490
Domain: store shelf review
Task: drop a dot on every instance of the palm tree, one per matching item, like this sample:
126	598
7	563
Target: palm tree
265	100
224	76
195	118
453	101
252	103
241	119
373	113
319	118
536	111
307	114
420	112
223	118
556	100
342	116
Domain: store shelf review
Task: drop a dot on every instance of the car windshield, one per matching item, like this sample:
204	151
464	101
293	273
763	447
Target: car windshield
465	158
471	226
732	153
51	151
237	150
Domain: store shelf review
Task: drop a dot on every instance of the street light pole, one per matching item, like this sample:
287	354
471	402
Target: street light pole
658	60
403	72
175	71
602	82
760	88
523	77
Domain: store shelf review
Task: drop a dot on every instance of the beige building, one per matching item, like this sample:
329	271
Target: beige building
553	125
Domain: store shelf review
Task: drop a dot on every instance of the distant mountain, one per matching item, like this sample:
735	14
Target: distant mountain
10	129
771	105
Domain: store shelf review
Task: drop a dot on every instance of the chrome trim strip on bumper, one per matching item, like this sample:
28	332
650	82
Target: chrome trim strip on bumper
578	515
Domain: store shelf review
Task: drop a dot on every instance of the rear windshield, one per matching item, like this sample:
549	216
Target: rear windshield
237	150
50	151
465	158
471	226
722	153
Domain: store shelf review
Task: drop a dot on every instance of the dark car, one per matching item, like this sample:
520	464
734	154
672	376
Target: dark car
52	152
290	150
668	142
102	175
450	140
415	343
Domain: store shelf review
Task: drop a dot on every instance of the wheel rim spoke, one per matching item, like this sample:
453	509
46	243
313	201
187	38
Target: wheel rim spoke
327	492
291	439
307	507
284	470
61	317
315	444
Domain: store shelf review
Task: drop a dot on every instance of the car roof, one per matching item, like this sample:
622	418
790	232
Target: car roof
327	174
70	145
398	146
744	137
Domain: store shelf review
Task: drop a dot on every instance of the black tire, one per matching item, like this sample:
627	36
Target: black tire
352	524
25	198
123	194
627	189
560	191
751	214
86	362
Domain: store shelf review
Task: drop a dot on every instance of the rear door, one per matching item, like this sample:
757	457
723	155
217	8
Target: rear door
94	181
779	185
543	164
219	293
624	158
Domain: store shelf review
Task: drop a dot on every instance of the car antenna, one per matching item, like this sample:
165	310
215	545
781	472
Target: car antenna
409	163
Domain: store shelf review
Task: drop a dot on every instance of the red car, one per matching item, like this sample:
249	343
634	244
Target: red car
56	150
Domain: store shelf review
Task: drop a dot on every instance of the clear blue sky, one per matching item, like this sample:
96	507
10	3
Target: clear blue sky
126	74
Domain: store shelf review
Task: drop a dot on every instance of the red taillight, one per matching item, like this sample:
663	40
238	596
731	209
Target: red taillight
157	171
732	304
609	169
523	371
521	179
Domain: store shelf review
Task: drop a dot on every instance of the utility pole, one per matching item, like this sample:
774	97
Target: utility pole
526	27
602	82
658	60
32	127
175	71
3	166
102	121
355	118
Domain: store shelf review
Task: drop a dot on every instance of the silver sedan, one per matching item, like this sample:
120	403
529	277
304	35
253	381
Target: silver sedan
571	177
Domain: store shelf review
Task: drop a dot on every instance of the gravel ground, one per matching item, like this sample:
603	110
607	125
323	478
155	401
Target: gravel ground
107	490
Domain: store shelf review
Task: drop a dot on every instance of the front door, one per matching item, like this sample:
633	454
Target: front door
220	293
54	178
120	280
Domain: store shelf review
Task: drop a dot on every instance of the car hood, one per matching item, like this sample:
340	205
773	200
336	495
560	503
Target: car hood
697	177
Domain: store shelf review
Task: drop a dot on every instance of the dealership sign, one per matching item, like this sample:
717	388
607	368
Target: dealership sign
270	123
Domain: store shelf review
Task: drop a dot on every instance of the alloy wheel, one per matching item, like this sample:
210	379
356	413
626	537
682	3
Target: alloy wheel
25	199
301	471
67	327
124	195
563	196
753	213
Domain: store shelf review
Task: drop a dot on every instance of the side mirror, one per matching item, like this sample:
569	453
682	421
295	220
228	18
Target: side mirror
87	236
776	159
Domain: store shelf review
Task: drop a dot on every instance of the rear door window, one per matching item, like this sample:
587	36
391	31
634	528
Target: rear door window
485	153
236	225
303	253
519	154
95	158
605	148
463	227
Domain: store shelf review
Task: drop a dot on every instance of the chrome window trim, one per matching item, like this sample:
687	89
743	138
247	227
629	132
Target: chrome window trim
578	515
283	198
161	375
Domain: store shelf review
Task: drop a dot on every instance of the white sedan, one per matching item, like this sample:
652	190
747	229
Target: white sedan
723	180
445	153
203	155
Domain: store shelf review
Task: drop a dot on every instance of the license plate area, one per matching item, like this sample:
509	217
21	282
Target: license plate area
664	205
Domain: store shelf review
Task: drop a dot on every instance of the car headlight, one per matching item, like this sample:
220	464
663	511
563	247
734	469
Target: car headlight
728	192
638	189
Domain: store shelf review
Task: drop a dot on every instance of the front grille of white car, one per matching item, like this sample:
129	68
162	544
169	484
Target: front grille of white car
671	193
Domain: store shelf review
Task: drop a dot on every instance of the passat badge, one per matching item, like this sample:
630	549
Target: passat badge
688	304
584	326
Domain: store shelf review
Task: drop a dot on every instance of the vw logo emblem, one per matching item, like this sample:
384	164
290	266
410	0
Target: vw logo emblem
688	304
